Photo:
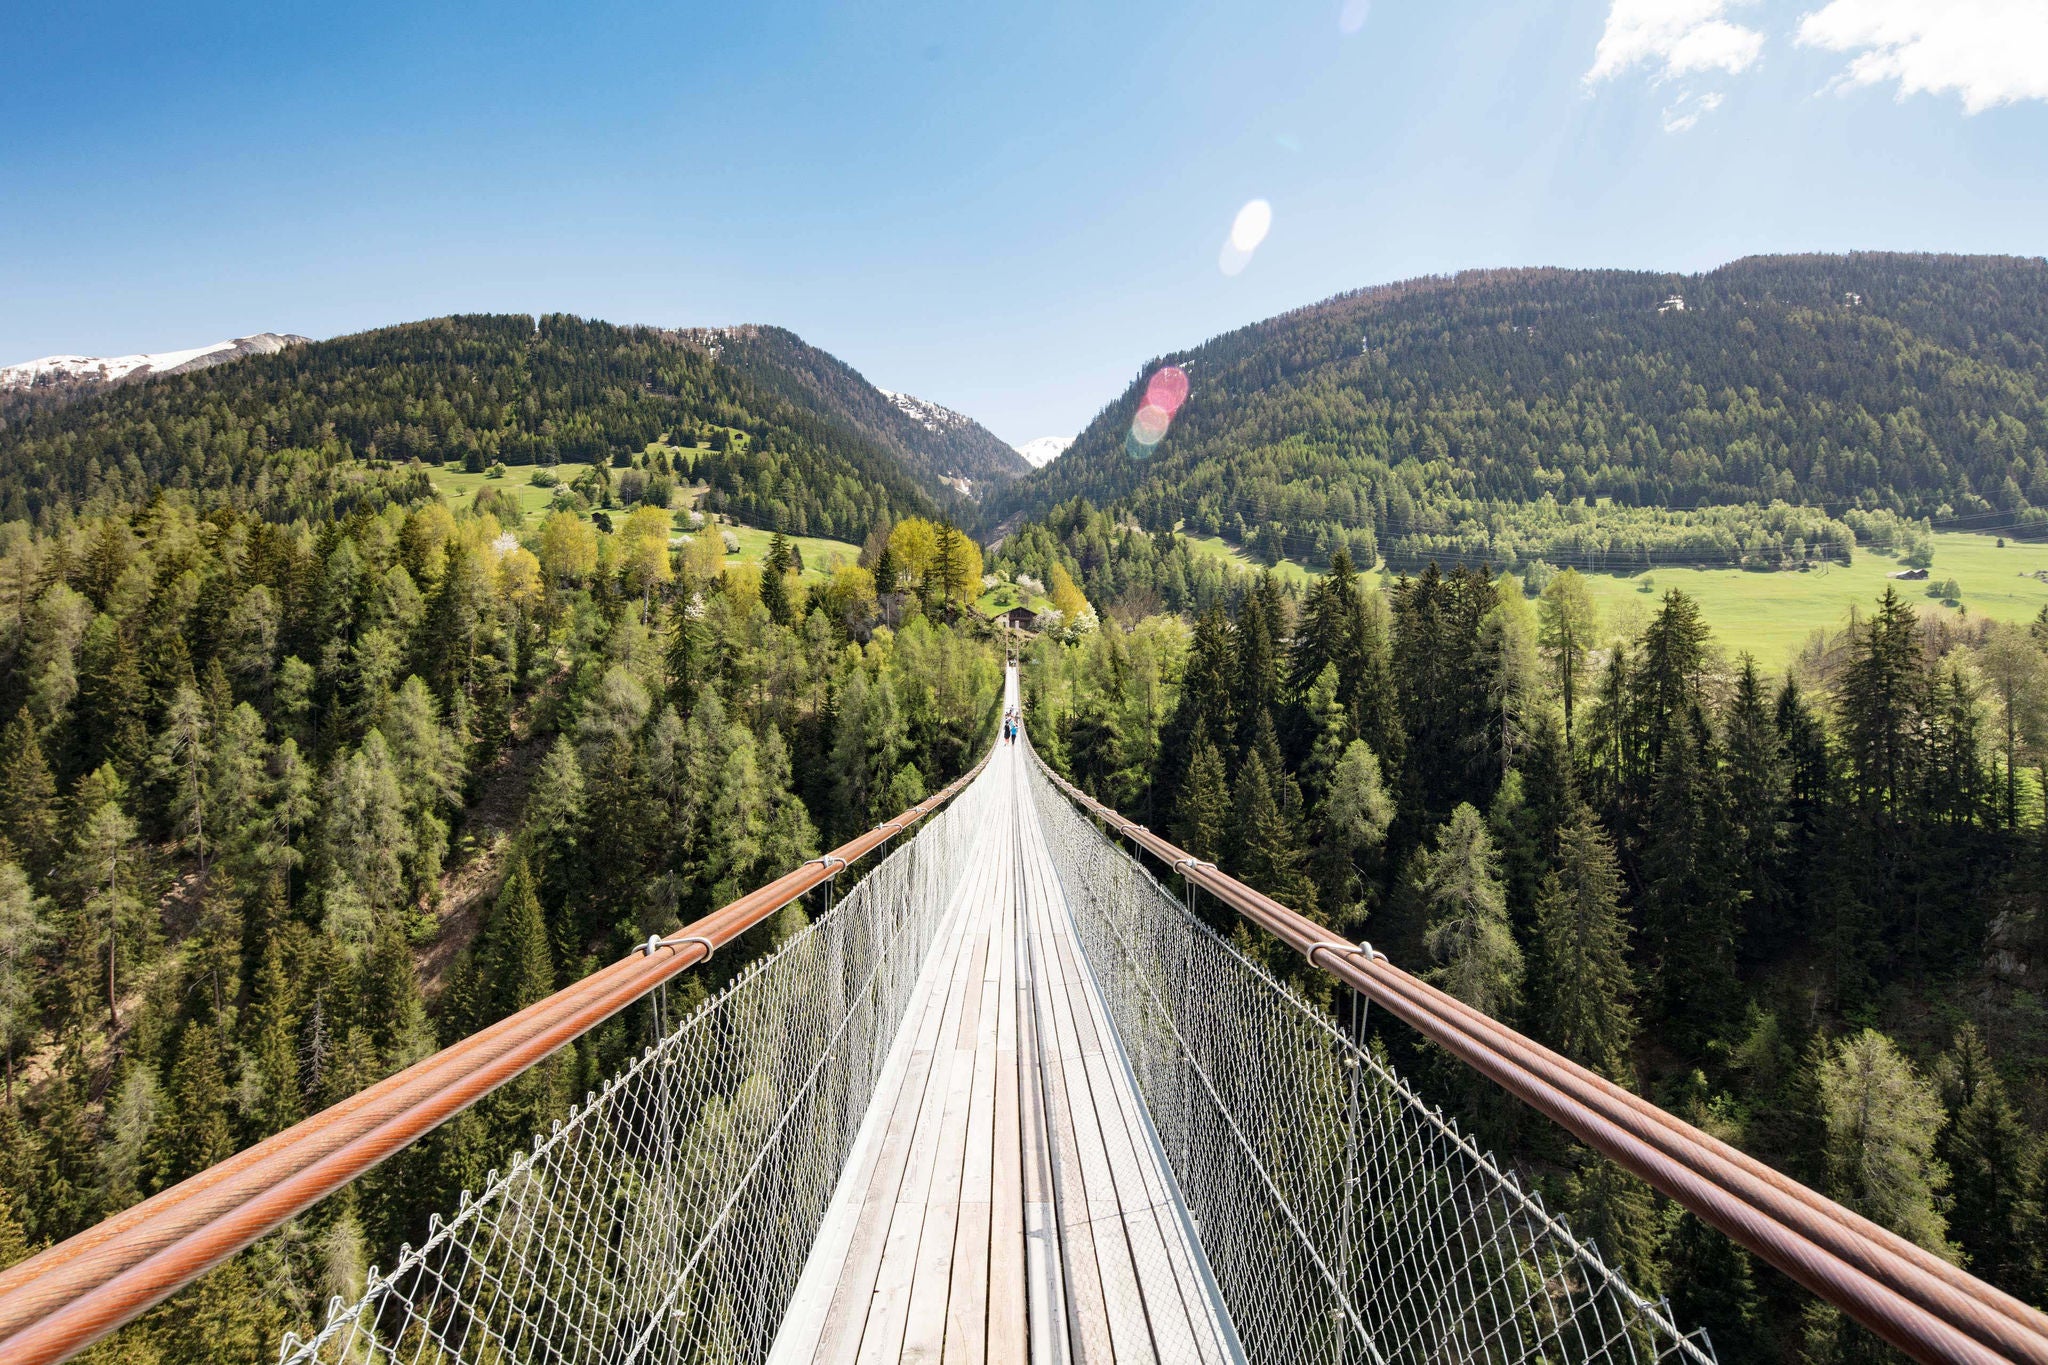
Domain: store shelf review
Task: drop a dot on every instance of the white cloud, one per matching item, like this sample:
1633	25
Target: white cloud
1986	52
1680	116
1673	38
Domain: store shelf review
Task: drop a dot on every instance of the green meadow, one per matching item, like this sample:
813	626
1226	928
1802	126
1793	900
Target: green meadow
1771	614
459	489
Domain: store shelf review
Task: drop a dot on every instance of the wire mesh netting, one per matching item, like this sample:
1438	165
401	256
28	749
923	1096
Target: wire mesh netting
1343	1218
669	1216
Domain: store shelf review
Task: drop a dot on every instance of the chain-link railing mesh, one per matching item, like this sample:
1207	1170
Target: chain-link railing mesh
669	1216
1344	1219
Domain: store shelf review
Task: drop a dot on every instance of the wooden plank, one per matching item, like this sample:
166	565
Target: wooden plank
1081	1259
847	1320
967	1303
850	1242
1008	1310
889	1313
1044	1271
1177	1319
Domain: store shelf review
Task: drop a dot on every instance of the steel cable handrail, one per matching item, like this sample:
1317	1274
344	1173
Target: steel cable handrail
1917	1301
68	1296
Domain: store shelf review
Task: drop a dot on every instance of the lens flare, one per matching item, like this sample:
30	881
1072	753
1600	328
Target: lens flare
1150	425
1168	389
1251	225
1247	230
1352	17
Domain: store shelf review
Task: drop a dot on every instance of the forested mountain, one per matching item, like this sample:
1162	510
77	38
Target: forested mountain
1515	414
315	429
940	446
1804	913
284	806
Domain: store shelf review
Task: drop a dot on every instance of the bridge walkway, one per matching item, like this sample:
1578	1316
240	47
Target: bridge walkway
1005	1202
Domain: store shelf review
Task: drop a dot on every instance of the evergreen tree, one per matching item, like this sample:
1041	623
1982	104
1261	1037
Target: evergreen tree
1713	1285
1585	983
1881	1121
1758	784
195	1132
1203	811
24	929
182	762
1351	823
1619	1214
1882	697
1567	630
774	582
28	795
273	1061
1986	1149
1692	893
1270	855
1470	943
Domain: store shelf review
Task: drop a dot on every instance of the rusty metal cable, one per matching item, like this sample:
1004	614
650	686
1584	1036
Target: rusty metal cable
1927	1307
64	1298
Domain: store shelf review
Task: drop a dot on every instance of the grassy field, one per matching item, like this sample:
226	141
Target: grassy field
459	489
1287	571
1770	615
821	556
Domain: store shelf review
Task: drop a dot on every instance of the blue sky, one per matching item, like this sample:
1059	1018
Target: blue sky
1004	208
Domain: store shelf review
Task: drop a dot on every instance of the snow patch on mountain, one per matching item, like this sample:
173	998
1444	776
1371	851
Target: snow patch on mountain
1044	450
59	371
926	414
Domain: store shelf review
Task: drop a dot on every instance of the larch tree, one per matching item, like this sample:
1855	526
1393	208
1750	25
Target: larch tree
1467	934
1567	627
1882	1118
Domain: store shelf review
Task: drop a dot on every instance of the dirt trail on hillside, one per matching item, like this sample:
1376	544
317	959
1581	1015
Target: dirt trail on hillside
476	865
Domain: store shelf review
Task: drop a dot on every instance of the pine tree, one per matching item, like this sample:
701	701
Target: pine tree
28	795
1202	815
1619	1214
1670	680
273	1059
1713	1285
1692	893
107	917
1882	697
1586	985
1468	938
774	583
195	1132
1986	1149
24	930
1269	853
1507	644
1758	784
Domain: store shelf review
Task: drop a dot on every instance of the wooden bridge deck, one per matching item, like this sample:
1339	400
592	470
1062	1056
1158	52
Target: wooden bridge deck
1004	1202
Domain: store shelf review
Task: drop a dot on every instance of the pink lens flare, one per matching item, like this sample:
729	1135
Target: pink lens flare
1149	426
1168	389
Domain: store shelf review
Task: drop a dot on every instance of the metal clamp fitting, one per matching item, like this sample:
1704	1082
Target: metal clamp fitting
709	946
1180	863
1339	946
826	862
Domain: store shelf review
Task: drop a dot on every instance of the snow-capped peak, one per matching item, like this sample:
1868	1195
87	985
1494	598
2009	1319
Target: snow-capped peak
926	414
1044	450
86	369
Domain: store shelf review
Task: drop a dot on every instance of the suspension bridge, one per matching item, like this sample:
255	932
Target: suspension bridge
1007	1100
